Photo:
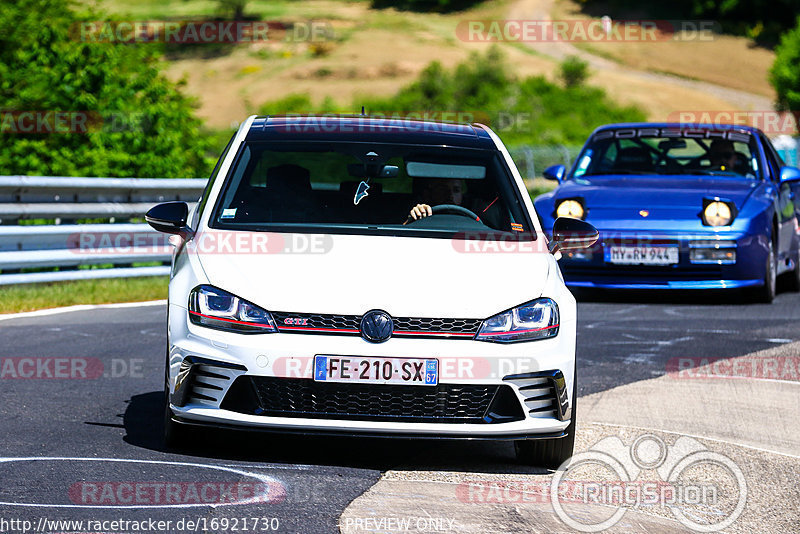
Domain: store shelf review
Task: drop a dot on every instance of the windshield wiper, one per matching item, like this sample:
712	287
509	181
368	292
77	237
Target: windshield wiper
609	173
711	172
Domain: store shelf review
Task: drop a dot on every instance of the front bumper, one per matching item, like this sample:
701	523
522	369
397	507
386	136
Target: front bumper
537	377
592	270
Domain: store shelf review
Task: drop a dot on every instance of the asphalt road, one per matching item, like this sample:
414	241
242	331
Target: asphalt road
111	410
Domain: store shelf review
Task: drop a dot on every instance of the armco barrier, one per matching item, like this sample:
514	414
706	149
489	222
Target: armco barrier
31	252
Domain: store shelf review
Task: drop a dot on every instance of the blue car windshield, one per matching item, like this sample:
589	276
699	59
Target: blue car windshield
669	151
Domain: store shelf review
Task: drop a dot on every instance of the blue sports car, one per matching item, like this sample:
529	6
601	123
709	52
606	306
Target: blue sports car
680	207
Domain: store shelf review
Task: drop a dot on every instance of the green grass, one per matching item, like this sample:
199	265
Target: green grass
28	297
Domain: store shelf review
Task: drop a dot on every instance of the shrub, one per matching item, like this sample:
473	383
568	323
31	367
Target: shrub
141	123
573	71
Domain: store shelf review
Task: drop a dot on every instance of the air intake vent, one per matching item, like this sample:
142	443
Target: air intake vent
204	381
208	384
544	393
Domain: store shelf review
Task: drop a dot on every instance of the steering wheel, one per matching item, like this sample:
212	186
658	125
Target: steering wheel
454	209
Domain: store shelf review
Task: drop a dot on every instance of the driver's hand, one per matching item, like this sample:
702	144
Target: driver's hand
420	211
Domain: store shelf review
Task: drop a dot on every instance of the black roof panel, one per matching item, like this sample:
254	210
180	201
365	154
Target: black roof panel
368	129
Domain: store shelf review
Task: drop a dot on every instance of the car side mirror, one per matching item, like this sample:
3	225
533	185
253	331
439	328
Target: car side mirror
572	234
555	172
170	218
790	174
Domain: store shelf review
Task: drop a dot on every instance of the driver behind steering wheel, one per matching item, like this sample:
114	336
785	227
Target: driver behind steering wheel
437	191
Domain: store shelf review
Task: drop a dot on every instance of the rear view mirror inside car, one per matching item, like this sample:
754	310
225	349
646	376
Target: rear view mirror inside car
358	170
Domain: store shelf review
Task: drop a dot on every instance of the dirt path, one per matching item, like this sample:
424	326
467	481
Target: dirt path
542	9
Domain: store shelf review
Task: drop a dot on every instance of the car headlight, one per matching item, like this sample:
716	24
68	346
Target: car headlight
570	208
531	321
215	308
717	213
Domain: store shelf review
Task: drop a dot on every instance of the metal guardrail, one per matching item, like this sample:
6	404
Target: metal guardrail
31	252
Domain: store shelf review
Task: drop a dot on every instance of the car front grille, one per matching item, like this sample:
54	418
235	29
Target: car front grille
316	323
417	324
444	403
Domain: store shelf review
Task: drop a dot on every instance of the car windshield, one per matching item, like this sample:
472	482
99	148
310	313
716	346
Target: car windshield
367	188
673	151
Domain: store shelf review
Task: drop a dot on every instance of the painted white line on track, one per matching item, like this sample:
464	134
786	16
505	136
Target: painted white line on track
260	498
81	307
754	378
288	467
735	444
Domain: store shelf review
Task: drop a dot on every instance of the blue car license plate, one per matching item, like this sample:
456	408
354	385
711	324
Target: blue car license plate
641	255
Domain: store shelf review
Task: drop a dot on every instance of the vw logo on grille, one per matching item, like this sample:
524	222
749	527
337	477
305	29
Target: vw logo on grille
376	326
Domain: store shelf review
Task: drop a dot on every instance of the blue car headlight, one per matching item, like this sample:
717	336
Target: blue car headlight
215	308
535	320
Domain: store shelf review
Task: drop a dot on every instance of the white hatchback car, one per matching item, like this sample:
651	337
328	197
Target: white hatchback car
362	276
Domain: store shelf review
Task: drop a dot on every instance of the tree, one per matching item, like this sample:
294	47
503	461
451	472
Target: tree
785	72
137	123
760	20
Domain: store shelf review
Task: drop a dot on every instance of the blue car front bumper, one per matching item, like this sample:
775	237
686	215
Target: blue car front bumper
593	268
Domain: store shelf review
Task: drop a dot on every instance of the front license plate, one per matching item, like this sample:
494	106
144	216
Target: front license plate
409	371
642	255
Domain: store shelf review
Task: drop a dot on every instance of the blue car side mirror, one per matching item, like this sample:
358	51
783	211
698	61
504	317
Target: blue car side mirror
555	172
790	174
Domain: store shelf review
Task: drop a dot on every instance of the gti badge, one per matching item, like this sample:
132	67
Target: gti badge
376	326
644	213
